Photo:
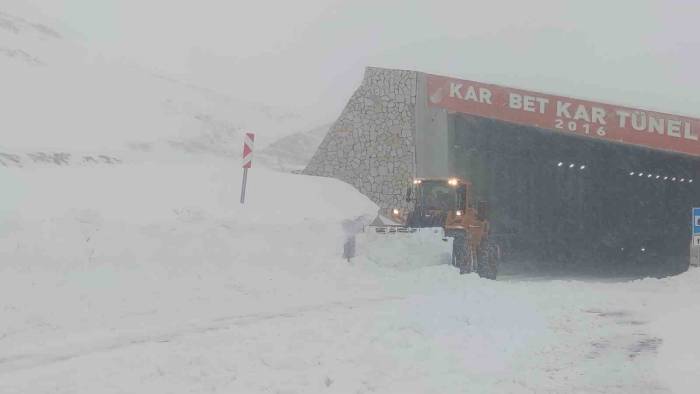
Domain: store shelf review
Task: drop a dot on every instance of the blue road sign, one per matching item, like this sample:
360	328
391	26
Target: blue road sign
696	221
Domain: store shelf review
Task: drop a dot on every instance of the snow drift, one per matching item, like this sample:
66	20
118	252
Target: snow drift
64	218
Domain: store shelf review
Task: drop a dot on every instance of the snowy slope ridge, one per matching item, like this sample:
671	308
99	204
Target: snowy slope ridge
293	152
64	96
10	24
35	37
54	158
17	25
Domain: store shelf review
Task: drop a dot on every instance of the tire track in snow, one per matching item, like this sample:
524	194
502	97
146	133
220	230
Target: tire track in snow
624	341
20	362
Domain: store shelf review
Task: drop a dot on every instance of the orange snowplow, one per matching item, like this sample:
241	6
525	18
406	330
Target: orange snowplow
448	203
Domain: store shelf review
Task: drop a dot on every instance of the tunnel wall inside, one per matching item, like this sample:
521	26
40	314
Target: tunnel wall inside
568	200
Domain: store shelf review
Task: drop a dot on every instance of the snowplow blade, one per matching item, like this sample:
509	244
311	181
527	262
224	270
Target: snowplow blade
404	247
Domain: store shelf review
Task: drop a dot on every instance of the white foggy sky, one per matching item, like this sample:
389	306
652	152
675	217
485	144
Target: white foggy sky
310	54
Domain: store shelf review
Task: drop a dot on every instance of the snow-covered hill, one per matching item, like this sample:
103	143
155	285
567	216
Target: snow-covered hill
60	96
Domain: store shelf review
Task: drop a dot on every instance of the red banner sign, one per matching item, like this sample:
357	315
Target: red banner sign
586	118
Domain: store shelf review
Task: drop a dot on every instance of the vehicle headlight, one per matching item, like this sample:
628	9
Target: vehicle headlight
395	211
453	182
417	181
459	213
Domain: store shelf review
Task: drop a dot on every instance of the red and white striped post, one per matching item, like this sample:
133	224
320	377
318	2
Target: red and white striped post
247	161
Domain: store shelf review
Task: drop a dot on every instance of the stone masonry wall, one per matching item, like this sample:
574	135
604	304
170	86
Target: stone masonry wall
371	145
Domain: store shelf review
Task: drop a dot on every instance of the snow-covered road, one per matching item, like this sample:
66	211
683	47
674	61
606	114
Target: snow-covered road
177	289
467	335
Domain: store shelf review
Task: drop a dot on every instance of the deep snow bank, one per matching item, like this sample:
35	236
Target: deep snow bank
87	251
97	214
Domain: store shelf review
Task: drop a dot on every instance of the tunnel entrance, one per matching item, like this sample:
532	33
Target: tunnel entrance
571	204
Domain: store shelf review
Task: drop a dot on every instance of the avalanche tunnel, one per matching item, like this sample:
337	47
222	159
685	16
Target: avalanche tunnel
569	204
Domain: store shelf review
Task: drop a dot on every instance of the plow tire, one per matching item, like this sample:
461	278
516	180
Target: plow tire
488	262
461	255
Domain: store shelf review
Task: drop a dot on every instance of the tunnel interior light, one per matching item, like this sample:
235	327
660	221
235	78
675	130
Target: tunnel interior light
580	166
652	175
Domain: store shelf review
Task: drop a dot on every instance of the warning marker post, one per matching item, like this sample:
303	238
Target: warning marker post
247	161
